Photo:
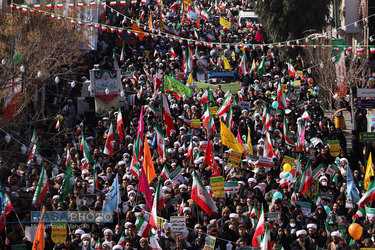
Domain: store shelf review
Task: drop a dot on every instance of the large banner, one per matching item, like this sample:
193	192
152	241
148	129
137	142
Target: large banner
340	66
106	89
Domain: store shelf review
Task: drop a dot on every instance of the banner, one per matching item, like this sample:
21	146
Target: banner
231	186
371	120
334	147
273	216
176	86
234	159
234	86
195	123
225	23
58	233
178	224
305	207
213	110
367	137
244	105
262	160
318	171
340	66
370	213
217	185
106	89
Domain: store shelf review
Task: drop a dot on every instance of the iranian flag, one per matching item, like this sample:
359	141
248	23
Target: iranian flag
41	189
165	173
225	106
121	241
60	5
284	182
205	15
37	5
306	178
306	115
372	50
34	148
171	52
86	151
133	2
120	123
230	118
80	4
266	241
366	198
242	69
269	152
135	163
281	98
181	208
160	142
285	132
92	3
108	148
167	116
200	195
48	5
71	4
208	122
113	3
80	127
291	70
315	141
260	230
266	122
254	212
57	127
360	213
143	227
156	205
190	151
6	208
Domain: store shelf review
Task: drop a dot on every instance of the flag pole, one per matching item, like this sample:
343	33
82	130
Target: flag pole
23	230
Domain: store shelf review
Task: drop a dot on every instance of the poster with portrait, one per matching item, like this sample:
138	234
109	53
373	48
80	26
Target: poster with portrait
106	86
200	72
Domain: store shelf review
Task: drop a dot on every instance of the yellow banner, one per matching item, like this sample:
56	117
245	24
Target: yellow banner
287	159
195	123
58	233
225	23
213	110
229	140
226	63
299	73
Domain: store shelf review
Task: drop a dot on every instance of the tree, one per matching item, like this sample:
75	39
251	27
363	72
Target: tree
288	19
44	48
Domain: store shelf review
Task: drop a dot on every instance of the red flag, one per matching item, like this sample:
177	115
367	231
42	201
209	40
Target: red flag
145	188
259	37
210	160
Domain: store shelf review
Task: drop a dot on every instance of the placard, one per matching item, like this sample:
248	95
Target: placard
273	216
213	110
371	120
370	213
305	207
234	159
231	186
217	185
244	105
175	175
367	137
262	160
334	147
287	159
318	171
195	123
210	246
178	224
30	232
58	233
332	169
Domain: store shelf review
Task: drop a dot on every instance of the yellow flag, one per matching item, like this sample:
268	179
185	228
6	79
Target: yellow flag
39	236
161	24
225	23
190	80
369	172
249	145
228	139
226	63
148	165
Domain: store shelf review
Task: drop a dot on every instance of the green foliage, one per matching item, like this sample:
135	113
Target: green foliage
289	19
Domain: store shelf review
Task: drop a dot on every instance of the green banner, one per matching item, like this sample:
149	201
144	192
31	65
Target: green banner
176	86
367	137
233	86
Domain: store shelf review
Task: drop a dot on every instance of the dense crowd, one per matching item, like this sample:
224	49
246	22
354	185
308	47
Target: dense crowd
299	136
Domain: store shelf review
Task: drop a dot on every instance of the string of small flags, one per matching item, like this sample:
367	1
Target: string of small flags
191	42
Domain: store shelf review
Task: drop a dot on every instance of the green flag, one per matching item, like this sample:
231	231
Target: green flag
176	86
67	184
262	67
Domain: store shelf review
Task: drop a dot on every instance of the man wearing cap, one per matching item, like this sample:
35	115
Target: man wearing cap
336	243
77	242
108	235
86	238
303	242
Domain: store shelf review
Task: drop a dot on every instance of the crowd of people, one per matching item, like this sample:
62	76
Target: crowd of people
278	142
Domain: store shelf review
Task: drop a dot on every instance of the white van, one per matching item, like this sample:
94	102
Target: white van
248	16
